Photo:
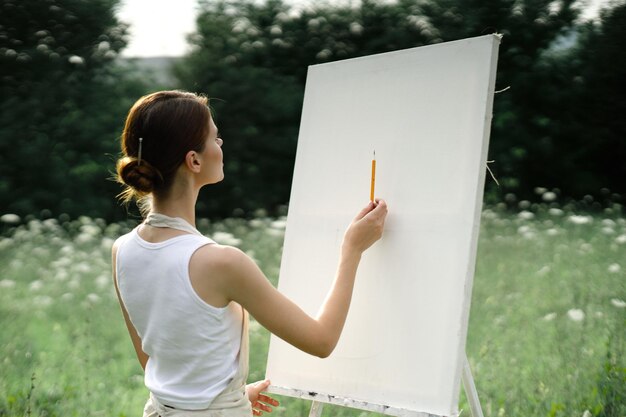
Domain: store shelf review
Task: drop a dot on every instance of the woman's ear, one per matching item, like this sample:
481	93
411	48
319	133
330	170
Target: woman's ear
192	161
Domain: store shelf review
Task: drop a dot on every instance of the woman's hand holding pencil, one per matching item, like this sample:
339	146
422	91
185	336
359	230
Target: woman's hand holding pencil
366	228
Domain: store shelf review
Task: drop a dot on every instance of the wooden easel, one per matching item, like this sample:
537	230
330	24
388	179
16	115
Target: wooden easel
319	400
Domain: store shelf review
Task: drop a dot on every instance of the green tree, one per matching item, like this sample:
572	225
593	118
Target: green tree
580	114
253	58
530	30
63	100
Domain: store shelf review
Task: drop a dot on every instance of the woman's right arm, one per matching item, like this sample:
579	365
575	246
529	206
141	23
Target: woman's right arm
242	281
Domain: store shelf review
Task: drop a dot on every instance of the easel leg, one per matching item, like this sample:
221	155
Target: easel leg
470	390
316	409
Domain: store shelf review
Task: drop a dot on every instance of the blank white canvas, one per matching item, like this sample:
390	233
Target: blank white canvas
426	112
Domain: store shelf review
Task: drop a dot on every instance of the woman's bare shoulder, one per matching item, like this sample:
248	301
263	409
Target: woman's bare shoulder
222	257
215	270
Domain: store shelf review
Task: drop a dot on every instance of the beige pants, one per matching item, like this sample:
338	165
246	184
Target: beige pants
232	402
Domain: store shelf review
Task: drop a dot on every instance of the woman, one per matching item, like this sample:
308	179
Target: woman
185	298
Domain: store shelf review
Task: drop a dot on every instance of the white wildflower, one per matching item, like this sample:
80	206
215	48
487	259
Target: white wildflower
314	23
324	54
275	232
621	239
552	232
526	231
608	223
540	190
61	275
226	238
548	196
68	296
356	28
104	46
5	243
253	32
84	238
576	219
614	268
76	60
62	263
279	224
35	285
90	229
526	215
576	314
67	250
241	25
107	243
549	317
93	298
7	283
256	223
555	211
10	218
608	230
587	413
618	303
279	42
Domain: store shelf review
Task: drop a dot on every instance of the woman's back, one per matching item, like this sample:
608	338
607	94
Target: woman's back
193	346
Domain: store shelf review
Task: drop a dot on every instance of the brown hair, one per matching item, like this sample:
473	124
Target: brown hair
170	123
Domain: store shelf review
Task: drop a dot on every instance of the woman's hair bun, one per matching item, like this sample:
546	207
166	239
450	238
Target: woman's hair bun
141	178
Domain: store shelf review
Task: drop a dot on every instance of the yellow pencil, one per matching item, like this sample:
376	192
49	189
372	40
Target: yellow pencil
373	178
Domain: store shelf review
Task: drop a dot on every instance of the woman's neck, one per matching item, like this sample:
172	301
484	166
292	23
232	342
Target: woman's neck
179	202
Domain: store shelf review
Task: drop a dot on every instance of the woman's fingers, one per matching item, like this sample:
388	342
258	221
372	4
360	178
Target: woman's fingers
370	206
260	402
364	231
267	399
262	407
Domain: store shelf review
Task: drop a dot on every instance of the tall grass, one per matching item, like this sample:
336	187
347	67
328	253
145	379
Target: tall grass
546	335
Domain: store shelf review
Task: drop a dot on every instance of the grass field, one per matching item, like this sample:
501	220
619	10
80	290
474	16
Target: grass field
547	332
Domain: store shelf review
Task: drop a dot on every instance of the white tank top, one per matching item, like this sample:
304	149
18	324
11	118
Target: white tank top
193	346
